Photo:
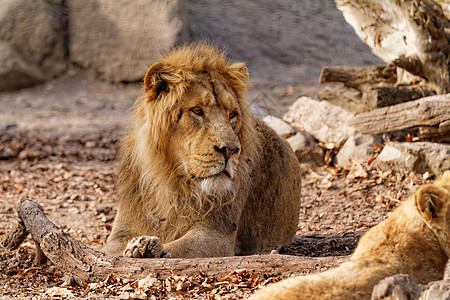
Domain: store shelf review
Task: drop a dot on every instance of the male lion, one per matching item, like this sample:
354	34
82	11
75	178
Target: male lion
414	240
199	175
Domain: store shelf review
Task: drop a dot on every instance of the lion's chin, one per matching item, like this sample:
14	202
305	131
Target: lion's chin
216	185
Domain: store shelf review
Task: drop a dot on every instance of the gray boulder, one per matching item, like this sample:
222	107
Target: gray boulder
326	122
120	39
282	128
359	147
342	96
401	286
34	30
419	157
308	152
15	72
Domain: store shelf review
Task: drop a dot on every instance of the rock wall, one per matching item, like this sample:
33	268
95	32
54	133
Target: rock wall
283	42
120	39
32	41
115	40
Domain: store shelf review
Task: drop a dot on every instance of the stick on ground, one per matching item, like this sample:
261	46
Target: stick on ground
87	264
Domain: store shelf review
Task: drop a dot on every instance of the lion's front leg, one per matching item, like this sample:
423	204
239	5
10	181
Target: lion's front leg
203	242
145	247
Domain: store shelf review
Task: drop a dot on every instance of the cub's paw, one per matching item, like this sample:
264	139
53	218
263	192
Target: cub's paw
145	247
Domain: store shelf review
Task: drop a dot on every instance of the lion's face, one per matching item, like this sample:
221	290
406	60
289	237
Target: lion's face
205	137
433	204
193	116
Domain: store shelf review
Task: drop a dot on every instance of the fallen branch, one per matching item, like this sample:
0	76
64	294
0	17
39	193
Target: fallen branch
15	237
438	133
378	97
359	78
87	264
428	111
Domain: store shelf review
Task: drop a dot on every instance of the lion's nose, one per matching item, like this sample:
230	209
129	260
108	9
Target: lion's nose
226	151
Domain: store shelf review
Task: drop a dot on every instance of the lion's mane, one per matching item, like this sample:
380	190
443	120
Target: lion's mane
147	173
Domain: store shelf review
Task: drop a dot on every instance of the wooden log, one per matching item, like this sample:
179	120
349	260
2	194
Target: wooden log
438	133
386	96
428	111
359	77
87	264
15	237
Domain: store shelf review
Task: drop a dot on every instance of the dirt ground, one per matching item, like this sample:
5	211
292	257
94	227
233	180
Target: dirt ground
58	145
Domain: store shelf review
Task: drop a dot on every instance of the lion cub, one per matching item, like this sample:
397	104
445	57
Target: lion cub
414	240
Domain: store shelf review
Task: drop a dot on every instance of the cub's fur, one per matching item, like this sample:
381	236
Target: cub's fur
414	240
198	172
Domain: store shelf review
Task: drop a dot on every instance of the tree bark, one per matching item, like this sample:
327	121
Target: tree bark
410	33
429	111
87	264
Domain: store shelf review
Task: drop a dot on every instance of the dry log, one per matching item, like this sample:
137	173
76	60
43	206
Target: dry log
412	33
428	111
87	264
439	133
15	237
386	96
359	78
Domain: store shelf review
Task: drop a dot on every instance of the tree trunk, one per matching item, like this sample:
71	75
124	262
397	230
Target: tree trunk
410	33
87	264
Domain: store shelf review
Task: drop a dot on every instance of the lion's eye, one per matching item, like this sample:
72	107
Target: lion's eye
233	115
198	111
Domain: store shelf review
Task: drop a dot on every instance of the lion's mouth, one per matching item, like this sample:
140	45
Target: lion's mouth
224	172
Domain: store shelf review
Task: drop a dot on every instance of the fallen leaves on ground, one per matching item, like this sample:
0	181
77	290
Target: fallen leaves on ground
72	178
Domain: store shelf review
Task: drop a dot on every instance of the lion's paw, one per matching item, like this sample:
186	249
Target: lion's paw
145	247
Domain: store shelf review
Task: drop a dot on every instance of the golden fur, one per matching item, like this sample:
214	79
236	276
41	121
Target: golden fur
414	240
197	169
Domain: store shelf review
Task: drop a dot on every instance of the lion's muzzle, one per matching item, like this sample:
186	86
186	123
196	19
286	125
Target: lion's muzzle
227	152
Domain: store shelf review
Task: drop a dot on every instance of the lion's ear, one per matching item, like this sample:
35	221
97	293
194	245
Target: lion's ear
430	201
159	79
238	75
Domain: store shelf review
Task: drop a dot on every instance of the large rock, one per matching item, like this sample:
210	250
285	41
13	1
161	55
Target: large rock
34	30
342	96
325	121
419	157
15	72
359	147
120	39
282	128
308	152
397	287
402	287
